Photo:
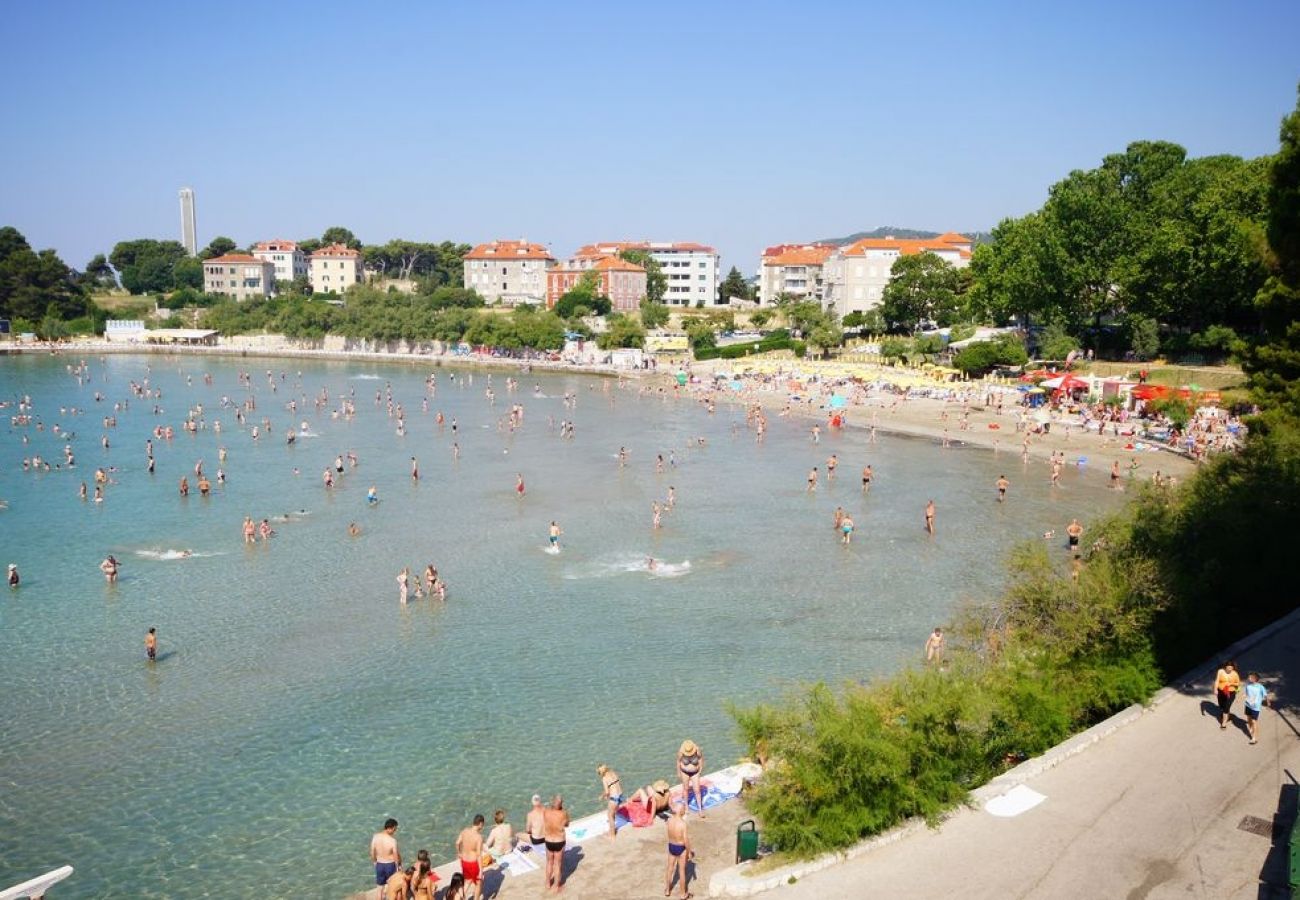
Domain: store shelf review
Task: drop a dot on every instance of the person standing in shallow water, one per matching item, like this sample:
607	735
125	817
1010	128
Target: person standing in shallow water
151	645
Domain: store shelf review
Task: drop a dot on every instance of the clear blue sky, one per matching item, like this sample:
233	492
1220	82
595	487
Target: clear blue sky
737	124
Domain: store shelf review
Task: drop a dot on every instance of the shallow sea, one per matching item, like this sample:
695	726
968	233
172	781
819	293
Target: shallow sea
296	704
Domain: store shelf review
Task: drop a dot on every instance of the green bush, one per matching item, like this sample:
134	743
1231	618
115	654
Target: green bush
1005	350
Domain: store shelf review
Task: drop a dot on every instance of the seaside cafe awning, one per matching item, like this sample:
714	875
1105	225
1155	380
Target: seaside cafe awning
1065	383
1150	392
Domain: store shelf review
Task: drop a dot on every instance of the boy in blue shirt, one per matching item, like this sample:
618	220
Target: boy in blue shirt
1256	697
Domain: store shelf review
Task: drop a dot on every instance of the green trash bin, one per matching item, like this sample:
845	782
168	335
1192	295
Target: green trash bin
1295	856
746	841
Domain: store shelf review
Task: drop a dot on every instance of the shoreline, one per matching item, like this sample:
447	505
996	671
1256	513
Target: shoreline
915	417
919	417
437	360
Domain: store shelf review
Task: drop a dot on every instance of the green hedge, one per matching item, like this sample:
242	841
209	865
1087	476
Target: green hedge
738	351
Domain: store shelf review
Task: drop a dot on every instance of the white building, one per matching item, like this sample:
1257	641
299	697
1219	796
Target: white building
189	228
289	261
238	275
691	269
855	276
511	272
334	269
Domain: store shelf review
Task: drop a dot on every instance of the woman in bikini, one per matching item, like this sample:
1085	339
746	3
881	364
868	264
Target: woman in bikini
612	793
690	763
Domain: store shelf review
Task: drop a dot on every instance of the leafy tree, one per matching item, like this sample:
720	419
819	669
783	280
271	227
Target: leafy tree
188	272
760	317
310	245
147	265
826	336
1273	364
337	234
1148	232
1056	343
854	319
922	287
734	285
976	359
35	285
624	331
570	304
701	335
1020	274
804	316
98	273
219	246
656	283
1217	342
654	315
1143	336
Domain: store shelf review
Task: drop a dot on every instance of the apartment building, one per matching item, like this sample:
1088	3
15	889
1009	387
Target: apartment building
334	269
623	282
511	272
855	276
289	261
238	275
796	270
691	270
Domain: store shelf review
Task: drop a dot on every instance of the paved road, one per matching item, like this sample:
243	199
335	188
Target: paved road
1149	813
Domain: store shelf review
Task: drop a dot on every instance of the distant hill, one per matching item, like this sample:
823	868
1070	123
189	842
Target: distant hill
979	237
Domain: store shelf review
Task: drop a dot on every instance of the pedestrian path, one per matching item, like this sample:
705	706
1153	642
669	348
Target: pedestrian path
1169	806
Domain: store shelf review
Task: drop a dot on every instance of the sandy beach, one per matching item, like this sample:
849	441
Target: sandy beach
988	429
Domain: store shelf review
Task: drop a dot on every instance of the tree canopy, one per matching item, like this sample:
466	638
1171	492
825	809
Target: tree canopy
1273	364
148	266
734	285
218	246
1149	233
34	284
922	288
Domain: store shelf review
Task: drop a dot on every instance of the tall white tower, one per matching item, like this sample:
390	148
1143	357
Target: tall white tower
189	233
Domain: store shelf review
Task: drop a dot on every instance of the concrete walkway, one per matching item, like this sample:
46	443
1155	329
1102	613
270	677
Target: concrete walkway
1161	809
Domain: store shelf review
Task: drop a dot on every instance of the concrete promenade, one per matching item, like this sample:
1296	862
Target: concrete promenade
1168	806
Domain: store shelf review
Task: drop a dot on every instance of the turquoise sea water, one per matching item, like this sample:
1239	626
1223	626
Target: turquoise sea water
296	704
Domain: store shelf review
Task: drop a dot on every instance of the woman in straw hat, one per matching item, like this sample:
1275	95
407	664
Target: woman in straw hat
690	763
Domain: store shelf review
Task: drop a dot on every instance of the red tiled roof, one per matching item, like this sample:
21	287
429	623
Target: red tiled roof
904	246
952	237
616	264
336	251
234	258
778	249
276	244
607	247
798	255
509	250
